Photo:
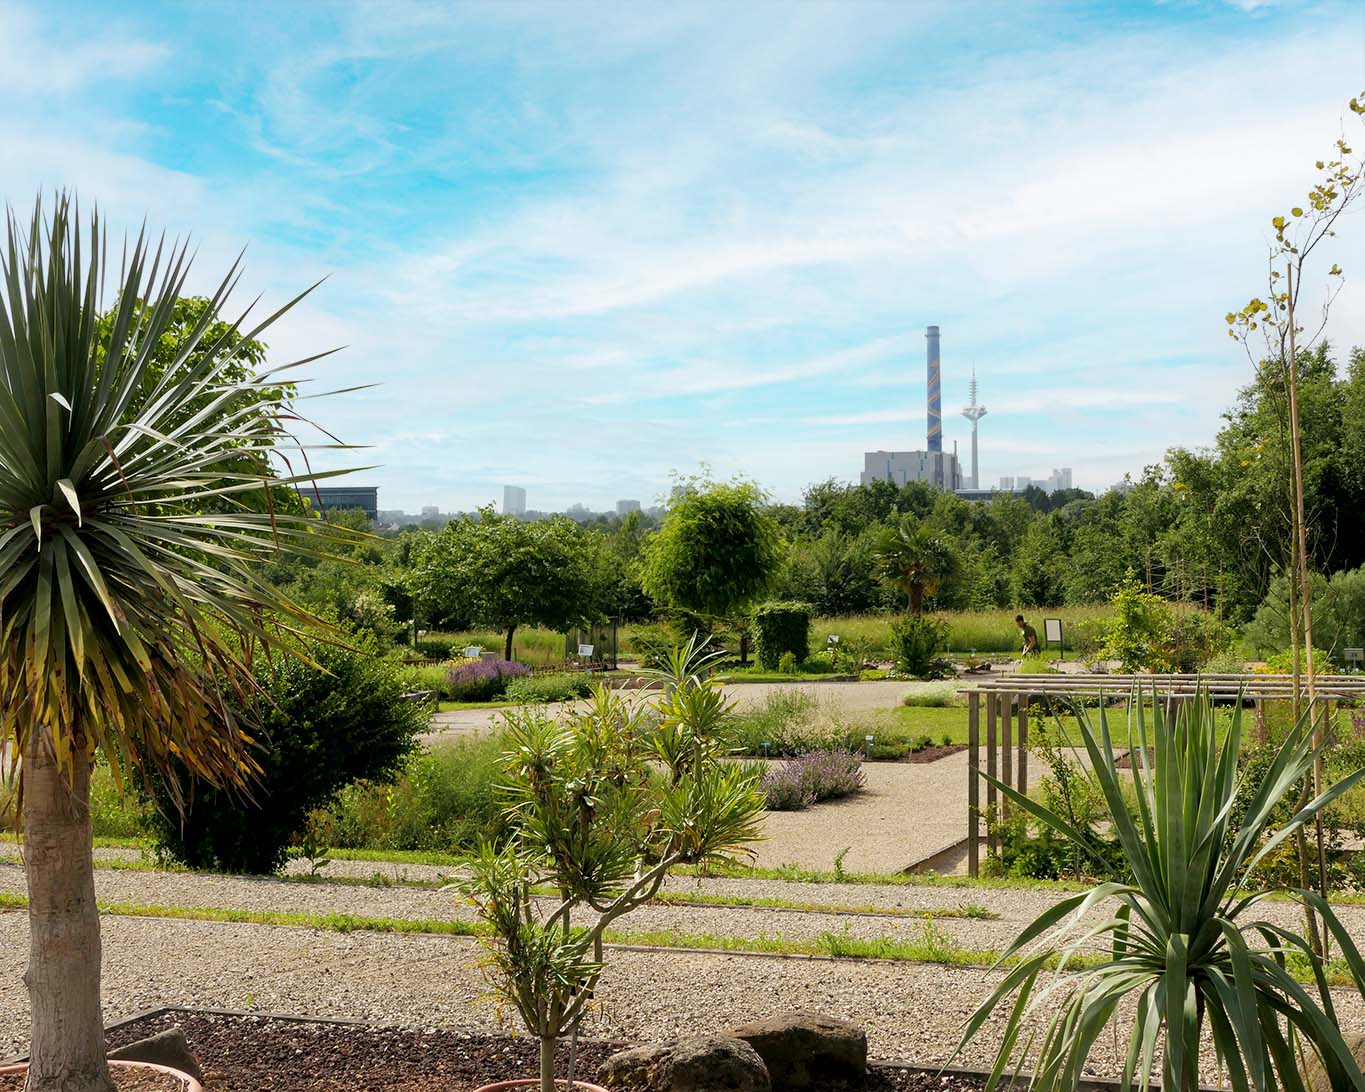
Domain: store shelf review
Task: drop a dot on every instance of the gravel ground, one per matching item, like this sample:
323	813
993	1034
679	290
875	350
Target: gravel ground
852	697
1015	908
910	1011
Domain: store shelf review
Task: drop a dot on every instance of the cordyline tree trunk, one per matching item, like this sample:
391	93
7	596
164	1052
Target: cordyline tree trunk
67	1053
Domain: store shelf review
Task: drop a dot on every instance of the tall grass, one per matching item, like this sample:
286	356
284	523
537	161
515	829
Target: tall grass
991	631
530	644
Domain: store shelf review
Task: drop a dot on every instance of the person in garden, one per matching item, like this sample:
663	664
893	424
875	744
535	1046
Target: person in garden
1029	635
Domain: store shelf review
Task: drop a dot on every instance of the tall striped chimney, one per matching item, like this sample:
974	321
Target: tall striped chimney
935	409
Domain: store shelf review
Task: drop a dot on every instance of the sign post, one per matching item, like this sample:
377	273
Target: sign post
1052	634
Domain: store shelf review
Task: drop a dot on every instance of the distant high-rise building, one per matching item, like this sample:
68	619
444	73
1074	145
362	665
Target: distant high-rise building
625	507
1059	479
334	497
513	500
430	511
1007	483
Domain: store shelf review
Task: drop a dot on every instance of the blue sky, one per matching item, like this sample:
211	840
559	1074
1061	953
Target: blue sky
583	246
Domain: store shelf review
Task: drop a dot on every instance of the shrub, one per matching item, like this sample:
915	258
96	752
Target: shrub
323	725
917	640
562	686
940	697
652	644
787	664
781	628
438	648
481	679
444	799
810	778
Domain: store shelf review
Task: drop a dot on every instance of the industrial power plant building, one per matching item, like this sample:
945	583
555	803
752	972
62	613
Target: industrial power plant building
937	467
933	465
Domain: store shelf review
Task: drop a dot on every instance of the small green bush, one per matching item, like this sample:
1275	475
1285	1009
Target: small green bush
561	686
444	800
787	663
941	697
781	628
918	639
652	644
323	725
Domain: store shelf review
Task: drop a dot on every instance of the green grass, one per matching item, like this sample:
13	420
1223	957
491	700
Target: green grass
530	644
973	911
456	706
758	675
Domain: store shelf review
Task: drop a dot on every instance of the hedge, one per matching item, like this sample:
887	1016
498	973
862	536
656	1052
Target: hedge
781	627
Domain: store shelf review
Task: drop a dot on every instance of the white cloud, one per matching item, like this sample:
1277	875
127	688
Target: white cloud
38	60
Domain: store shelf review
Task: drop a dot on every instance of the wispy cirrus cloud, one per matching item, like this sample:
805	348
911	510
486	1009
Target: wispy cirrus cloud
583	247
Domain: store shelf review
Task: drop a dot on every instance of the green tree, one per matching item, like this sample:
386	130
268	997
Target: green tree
716	551
915	559
504	572
131	600
1038	568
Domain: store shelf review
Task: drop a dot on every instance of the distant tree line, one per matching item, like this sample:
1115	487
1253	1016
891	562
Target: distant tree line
1207	527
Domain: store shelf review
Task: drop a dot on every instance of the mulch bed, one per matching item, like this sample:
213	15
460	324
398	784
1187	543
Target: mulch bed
933	754
267	1054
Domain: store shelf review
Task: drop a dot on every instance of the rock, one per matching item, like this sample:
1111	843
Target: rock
1315	1078
802	1049
169	1047
708	1063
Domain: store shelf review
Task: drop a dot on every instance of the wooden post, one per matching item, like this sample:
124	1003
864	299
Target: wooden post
1006	746
992	706
1022	771
973	780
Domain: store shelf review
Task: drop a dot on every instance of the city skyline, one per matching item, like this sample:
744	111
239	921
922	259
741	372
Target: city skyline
579	250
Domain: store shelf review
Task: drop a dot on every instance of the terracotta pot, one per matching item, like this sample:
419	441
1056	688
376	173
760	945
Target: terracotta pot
191	1085
534	1082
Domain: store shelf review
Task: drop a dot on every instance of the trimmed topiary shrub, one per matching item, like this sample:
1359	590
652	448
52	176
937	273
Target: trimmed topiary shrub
321	728
781	627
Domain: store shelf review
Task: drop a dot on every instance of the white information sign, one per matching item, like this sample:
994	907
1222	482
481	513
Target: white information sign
585	650
1052	630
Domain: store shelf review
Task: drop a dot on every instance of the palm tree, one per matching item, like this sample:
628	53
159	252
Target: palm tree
914	560
130	600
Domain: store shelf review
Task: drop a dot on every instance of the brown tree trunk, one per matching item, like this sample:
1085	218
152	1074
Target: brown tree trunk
63	976
507	650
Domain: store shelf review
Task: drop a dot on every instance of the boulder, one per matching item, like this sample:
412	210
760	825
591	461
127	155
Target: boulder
707	1063
802	1049
1315	1078
169	1047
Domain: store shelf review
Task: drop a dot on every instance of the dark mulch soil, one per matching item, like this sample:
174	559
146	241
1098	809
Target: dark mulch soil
933	754
264	1054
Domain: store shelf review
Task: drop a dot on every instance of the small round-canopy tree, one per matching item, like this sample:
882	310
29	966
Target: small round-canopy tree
503	572
128	611
717	549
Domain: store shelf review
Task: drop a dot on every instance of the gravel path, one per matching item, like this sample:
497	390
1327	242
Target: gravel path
909	1011
852	697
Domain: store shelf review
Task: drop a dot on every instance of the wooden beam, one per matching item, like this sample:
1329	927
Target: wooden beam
1006	745
992	707
973	781
1022	771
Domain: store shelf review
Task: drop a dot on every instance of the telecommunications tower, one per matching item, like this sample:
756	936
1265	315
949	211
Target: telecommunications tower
974	413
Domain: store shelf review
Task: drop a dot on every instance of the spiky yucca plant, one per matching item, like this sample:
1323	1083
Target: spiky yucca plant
1184	940
130	600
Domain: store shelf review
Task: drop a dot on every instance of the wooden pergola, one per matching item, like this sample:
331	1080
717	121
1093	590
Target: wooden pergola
1007	701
